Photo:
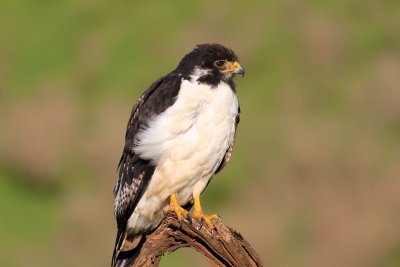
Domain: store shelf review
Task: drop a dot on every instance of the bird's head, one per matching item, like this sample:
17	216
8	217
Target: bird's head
211	64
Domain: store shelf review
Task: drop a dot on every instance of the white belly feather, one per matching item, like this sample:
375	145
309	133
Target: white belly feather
187	143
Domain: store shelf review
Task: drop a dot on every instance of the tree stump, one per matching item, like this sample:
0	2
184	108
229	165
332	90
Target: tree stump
222	246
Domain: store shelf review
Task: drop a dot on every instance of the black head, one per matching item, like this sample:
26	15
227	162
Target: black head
213	63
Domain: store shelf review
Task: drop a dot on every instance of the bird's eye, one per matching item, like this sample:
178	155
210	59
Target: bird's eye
219	63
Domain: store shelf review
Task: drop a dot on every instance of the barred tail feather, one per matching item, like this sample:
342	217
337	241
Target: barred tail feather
126	248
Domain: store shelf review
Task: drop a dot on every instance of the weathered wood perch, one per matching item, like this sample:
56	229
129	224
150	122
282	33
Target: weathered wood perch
221	246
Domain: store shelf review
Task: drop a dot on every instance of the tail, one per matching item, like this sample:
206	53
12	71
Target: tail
125	249
117	247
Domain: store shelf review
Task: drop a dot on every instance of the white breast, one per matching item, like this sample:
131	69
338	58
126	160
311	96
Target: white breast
187	143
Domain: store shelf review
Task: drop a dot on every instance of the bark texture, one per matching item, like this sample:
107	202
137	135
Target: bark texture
222	246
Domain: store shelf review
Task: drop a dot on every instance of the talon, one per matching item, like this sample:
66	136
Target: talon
200	216
189	218
201	223
176	208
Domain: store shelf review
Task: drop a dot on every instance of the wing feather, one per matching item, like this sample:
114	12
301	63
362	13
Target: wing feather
228	152
134	173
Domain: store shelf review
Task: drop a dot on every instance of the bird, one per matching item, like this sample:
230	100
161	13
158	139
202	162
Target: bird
180	133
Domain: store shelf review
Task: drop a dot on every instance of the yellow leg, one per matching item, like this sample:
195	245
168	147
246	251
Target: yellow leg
175	207
200	216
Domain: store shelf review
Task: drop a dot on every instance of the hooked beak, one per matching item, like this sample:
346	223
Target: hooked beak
233	67
238	68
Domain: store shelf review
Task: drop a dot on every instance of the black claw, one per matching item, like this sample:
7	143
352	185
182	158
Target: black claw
201	223
219	218
189	218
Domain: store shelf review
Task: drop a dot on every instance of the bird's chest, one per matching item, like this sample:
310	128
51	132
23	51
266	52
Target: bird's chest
207	129
186	143
198	125
189	140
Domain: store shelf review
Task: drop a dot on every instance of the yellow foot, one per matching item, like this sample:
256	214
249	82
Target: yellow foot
175	207
200	216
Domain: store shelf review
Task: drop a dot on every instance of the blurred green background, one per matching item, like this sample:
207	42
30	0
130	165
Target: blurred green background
315	175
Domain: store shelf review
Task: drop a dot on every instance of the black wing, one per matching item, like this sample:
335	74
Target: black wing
134	173
228	152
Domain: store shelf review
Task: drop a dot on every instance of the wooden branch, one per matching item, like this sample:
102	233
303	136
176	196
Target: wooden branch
221	246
